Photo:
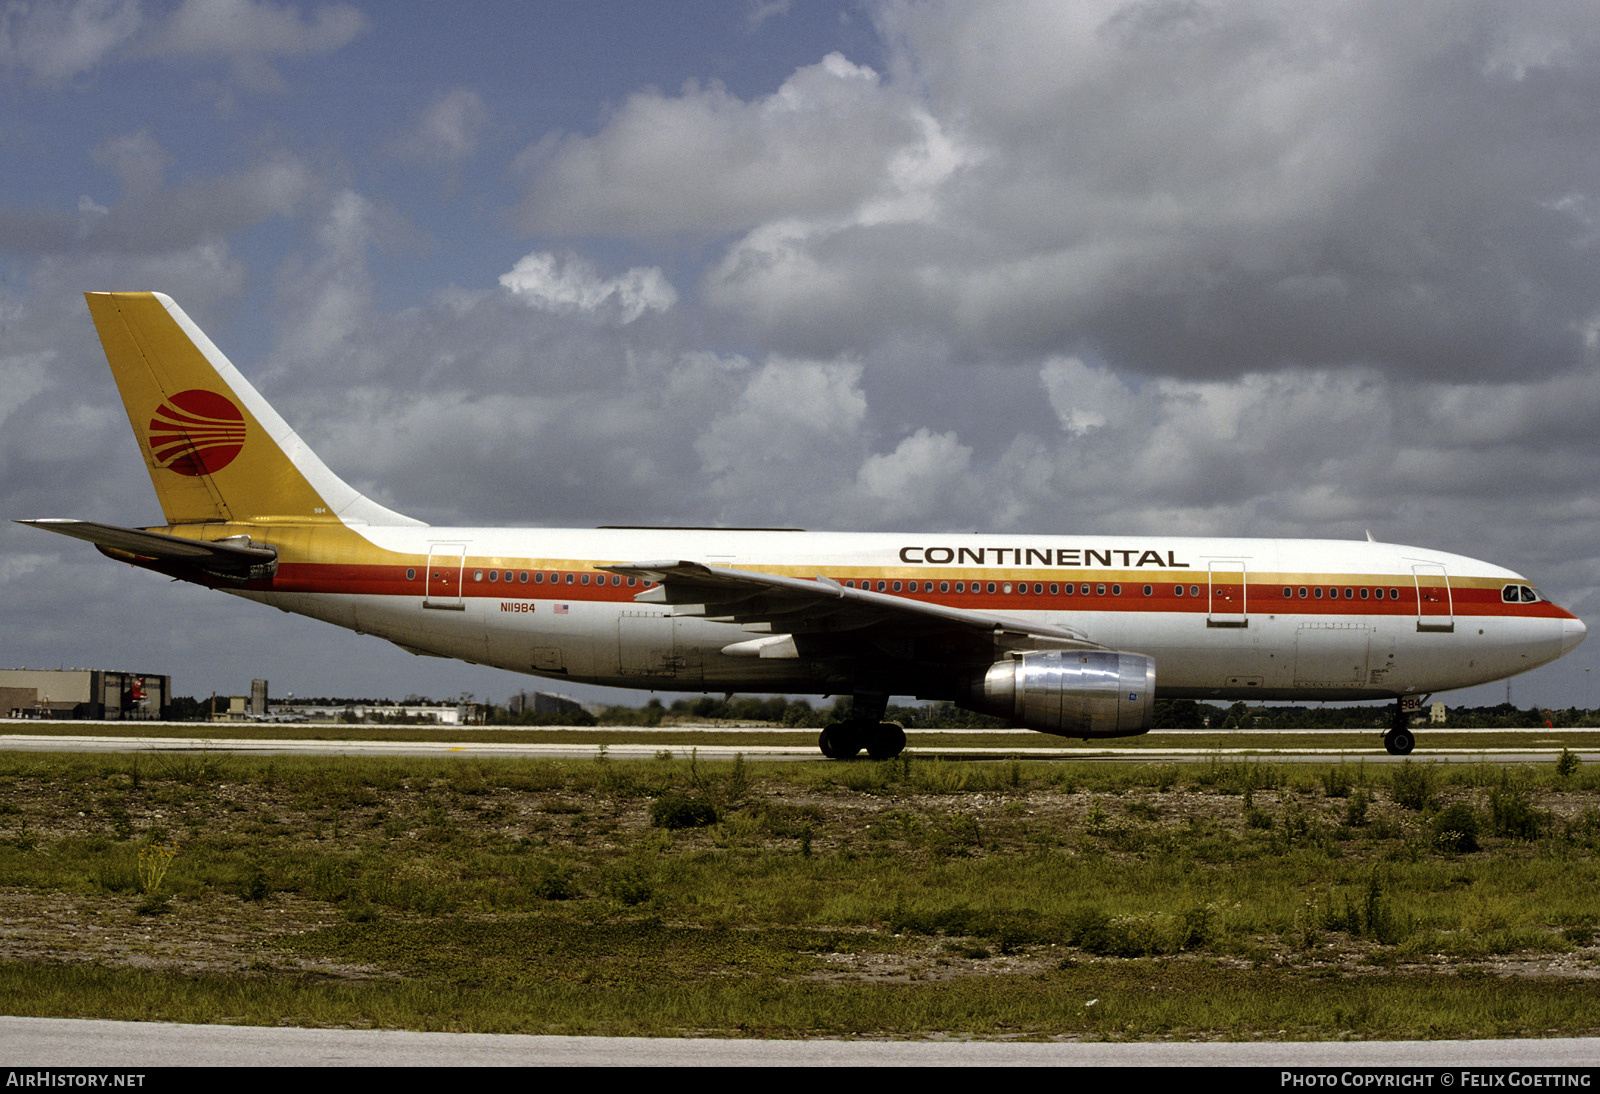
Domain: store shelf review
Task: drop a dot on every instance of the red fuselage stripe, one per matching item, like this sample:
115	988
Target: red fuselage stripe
1260	598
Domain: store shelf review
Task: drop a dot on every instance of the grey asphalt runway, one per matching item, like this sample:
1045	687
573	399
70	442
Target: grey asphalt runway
924	744
64	1042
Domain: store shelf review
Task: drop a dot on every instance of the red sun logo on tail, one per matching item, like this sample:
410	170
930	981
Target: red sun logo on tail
196	433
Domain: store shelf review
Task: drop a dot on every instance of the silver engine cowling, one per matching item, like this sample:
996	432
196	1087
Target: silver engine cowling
1073	693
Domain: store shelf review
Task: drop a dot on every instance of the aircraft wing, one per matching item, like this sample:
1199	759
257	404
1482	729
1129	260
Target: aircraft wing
822	608
237	556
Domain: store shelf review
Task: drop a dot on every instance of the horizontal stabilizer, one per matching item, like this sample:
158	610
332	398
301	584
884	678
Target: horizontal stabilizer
235	556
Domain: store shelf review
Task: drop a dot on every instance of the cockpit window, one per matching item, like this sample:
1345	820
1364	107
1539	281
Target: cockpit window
1530	595
1525	594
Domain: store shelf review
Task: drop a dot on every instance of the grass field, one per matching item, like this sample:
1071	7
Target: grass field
1229	898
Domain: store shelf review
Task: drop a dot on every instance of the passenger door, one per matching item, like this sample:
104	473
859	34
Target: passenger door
1227	607
1435	605
446	567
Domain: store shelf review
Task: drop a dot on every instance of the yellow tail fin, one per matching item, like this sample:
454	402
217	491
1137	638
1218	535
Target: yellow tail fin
215	450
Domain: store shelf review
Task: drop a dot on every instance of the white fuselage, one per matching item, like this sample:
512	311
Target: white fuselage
1222	618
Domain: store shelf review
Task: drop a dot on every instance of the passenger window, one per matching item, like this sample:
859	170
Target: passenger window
896	586
944	586
1364	594
1085	589
494	575
584	580
1194	590
411	574
1302	592
1287	592
477	575
1394	594
1100	590
1177	590
569	579
1317	592
1116	590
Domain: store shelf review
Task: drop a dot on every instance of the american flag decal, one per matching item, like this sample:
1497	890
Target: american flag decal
561	609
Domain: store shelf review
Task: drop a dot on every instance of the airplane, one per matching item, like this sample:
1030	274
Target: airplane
1073	635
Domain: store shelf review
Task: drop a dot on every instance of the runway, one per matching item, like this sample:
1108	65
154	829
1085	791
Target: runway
130	1046
1163	747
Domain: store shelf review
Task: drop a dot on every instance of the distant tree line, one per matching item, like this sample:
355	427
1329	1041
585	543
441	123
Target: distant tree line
801	714
1187	714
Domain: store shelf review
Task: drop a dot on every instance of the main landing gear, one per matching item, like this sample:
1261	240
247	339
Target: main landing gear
1399	740
863	730
843	740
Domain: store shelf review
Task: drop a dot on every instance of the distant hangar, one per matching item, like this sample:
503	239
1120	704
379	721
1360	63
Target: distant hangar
92	694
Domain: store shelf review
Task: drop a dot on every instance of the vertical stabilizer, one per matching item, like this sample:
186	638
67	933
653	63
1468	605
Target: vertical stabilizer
214	449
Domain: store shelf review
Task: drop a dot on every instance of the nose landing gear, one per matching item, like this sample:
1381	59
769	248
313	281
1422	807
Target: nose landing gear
1399	740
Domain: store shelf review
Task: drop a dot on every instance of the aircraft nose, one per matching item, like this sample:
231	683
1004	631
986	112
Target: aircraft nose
1572	632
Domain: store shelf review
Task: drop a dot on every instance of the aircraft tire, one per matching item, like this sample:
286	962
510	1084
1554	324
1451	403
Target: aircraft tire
839	741
885	741
1399	742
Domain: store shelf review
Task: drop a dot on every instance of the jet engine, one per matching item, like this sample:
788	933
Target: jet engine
1072	693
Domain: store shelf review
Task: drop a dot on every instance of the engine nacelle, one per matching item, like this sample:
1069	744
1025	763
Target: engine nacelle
1073	693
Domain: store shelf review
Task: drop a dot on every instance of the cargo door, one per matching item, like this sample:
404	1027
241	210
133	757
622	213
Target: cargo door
646	645
1331	654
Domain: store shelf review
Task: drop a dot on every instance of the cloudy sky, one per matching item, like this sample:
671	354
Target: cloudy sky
1158	267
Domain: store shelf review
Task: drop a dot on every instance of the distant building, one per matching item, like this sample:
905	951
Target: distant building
542	702
452	714
95	694
230	708
1436	715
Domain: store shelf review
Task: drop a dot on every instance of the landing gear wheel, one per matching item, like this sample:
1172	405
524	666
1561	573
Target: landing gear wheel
825	743
1399	742
885	741
840	741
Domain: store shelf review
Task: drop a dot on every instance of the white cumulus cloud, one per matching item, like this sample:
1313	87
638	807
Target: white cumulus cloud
57	41
573	287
